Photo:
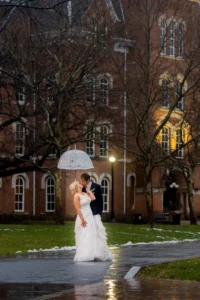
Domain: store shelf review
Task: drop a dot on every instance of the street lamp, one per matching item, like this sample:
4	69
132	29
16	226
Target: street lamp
112	160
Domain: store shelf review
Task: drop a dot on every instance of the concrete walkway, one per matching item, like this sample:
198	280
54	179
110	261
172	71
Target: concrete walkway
55	275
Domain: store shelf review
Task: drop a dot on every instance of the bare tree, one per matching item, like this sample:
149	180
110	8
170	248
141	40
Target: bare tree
47	101
161	74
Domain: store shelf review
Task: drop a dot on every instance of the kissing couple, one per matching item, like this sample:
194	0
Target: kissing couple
90	234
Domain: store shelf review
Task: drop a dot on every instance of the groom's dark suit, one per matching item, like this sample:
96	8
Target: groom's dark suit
97	204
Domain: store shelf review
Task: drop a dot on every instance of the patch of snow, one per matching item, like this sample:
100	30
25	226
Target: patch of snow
54	249
175	241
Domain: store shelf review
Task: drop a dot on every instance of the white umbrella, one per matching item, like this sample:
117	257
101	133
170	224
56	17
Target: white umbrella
75	160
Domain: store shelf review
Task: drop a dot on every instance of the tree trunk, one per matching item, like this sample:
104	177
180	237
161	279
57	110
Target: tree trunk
59	218
149	196
193	218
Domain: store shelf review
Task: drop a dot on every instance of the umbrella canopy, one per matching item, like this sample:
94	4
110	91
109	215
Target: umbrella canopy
75	160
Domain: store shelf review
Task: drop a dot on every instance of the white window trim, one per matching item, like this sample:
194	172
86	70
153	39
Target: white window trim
91	138
180	40
163	29
172	39
95	176
46	208
103	140
23	139
26	178
21	94
108	198
23	195
104	90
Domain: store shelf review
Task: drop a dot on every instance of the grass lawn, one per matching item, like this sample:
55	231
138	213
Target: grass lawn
184	270
15	238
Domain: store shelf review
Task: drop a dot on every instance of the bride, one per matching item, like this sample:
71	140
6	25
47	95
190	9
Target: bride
89	245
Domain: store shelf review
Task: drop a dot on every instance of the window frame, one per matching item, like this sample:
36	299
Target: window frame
105	196
20	136
18	194
103	150
179	90
163	35
165	143
165	92
180	40
21	95
180	152
90	87
49	194
172	39
90	143
104	90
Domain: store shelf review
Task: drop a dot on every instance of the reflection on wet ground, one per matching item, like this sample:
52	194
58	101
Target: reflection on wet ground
145	289
57	277
138	289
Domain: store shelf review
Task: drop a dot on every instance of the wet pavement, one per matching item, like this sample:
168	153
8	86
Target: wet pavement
54	275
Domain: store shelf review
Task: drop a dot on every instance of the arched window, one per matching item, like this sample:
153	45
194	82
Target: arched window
179	95
90	86
172	39
165	140
180	40
50	194
103	141
179	138
165	93
163	37
19	194
104	86
20	135
105	194
92	179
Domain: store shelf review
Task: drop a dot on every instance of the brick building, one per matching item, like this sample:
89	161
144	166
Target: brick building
152	45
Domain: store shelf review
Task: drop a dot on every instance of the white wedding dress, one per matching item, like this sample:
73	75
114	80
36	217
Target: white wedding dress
91	241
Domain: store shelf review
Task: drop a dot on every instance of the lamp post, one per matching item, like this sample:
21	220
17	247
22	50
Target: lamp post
112	160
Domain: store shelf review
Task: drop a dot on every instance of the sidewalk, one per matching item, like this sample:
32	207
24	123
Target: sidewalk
55	276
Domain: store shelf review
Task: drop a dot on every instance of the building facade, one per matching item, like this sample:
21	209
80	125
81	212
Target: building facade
151	68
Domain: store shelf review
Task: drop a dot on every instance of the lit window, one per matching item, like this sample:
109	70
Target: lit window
165	93
104	91
172	39
105	194
103	141
165	140
50	194
179	95
20	136
19	194
179	136
163	37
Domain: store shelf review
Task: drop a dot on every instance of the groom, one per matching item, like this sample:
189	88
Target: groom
97	204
